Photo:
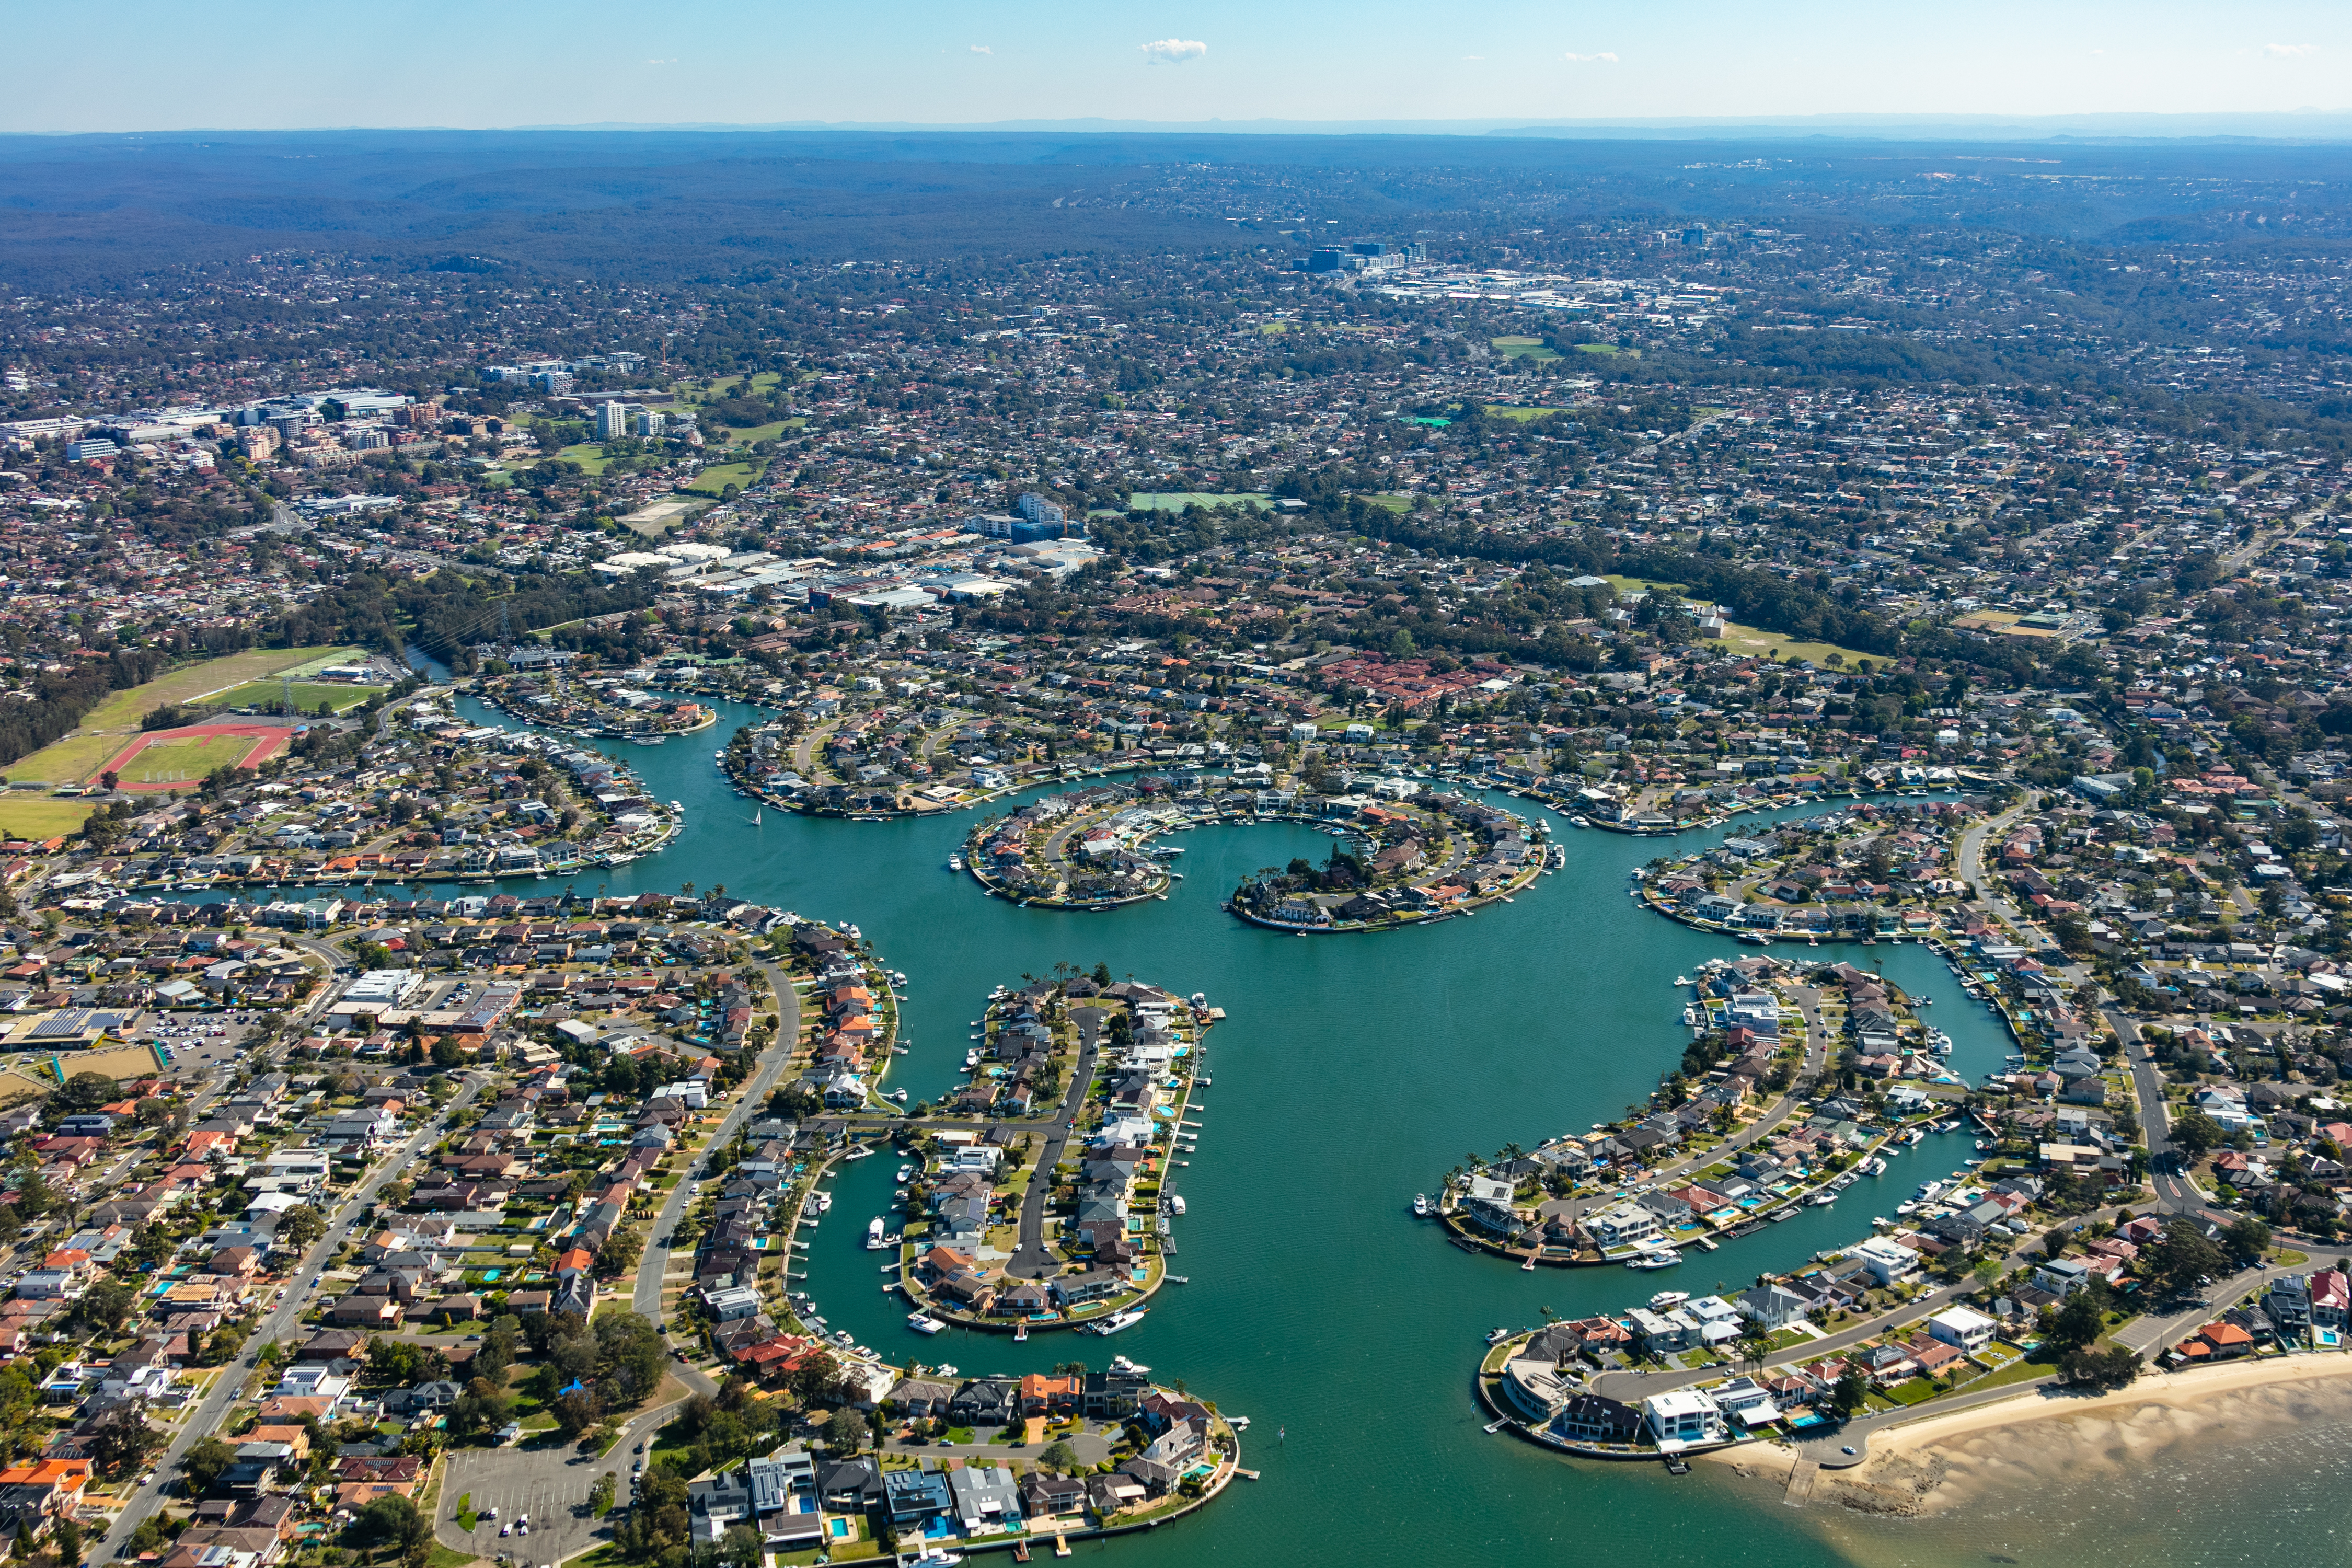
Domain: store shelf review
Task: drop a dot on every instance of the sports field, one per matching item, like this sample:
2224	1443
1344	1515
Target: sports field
176	758
1524	347
125	709
36	818
82	756
307	694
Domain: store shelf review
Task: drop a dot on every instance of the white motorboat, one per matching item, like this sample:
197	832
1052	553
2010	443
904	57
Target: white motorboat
1497	1335
1176	1203
1667	1300
1664	1258
1421	1206
1118	1321
874	1230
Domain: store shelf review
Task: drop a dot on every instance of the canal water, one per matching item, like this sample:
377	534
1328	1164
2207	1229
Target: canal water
1351	1073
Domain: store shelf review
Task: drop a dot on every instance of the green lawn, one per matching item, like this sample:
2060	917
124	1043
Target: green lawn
307	694
1524	347
1393	503
743	435
1606	351
1513	411
30	817
125	709
69	760
714	480
1177	500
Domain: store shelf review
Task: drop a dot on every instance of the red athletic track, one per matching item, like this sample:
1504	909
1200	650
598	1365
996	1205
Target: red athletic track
266	739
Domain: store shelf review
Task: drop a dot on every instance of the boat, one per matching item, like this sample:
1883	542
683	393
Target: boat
1421	1206
1176	1203
1497	1335
1666	1257
1020	1333
1238	1423
955	862
1118	1321
1180	1279
934	1556
924	1324
647	740
821	1201
874	1232
1667	1300
1821	1200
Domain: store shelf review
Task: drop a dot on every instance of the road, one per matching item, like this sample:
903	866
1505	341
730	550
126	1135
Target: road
646	1299
1817	1046
1032	1259
551	1483
2146	1336
282	1322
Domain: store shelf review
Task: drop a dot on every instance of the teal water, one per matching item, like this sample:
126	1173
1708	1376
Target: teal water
1351	1073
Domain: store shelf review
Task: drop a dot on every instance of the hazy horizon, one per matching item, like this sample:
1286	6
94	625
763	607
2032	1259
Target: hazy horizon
164	69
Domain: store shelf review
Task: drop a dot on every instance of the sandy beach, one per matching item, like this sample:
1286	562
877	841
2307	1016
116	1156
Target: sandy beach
1935	1464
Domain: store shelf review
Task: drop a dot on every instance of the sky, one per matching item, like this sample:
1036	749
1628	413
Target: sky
268	64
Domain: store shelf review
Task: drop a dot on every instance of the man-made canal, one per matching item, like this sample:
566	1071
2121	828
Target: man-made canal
1351	1073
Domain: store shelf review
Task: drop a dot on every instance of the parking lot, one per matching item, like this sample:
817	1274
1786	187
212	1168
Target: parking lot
549	1484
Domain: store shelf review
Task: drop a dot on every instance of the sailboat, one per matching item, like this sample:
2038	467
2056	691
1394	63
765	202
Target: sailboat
757	813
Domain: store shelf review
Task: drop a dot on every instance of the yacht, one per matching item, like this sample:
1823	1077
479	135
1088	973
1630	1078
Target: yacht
820	1203
922	1322
1118	1321
1667	1300
955	862
1666	1257
1176	1203
874	1230
1497	1335
1821	1200
1421	1206
904	1172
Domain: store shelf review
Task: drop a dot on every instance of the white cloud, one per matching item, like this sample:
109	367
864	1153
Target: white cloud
671	61
1590	59
982	49
1172	51
2289	51
1473	57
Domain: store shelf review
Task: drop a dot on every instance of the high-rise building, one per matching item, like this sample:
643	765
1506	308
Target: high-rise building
649	423
612	421
1036	508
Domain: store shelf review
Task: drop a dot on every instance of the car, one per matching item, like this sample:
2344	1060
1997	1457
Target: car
522	1529
491	1512
641	1445
640	1465
505	1531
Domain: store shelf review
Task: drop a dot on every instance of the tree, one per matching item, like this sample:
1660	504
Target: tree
120	1439
600	1496
68	1543
2197	1134
2113	1367
2247	1238
207	1460
86	1091
1060	1456
1852	1391
391	1521
742	1546
2077	1321
105	1305
300	1226
2182	1257
577	1411
844	1432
